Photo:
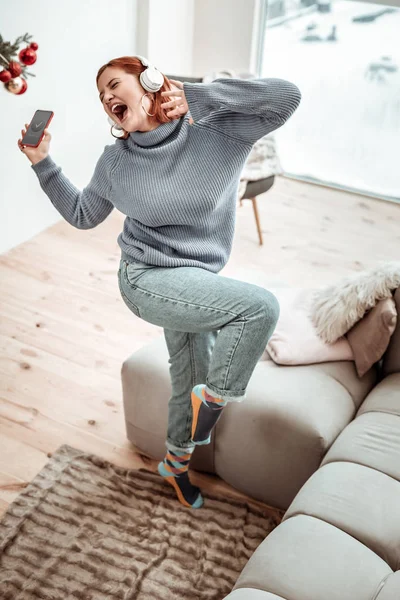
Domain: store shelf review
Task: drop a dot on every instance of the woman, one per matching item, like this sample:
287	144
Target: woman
176	179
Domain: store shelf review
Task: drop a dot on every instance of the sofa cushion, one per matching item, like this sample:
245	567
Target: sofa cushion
305	558
336	493
385	397
370	337
390	588
391	360
373	440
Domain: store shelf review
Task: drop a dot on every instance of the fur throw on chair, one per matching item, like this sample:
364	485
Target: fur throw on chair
263	161
335	309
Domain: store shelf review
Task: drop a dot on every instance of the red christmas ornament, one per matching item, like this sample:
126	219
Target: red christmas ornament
15	85
14	68
24	87
5	76
27	56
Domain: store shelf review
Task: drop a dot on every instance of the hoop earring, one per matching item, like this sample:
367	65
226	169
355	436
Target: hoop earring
118	137
144	107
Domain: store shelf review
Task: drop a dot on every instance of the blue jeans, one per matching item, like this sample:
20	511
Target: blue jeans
216	329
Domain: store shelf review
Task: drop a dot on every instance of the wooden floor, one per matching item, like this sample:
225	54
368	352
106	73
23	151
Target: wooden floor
65	331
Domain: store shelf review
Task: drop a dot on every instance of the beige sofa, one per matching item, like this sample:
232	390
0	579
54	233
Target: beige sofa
323	445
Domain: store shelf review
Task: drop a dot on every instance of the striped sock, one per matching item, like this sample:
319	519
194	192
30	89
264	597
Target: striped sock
174	469
207	410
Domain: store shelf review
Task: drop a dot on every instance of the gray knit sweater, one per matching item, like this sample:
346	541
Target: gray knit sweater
178	184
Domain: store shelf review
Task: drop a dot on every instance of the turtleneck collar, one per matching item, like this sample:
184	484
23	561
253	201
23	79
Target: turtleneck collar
157	135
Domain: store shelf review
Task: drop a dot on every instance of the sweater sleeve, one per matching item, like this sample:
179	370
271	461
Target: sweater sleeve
82	209
241	108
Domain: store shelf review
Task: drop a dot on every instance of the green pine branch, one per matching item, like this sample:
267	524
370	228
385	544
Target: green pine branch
8	52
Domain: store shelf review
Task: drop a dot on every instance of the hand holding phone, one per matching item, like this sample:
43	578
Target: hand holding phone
35	142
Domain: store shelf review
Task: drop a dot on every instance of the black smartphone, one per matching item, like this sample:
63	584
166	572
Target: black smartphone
35	132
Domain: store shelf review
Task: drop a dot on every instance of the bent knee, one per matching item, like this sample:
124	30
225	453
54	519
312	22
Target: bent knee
269	308
272	308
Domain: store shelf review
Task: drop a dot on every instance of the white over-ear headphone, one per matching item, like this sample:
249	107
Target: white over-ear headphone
151	79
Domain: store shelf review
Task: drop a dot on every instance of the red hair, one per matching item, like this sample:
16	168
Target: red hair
132	65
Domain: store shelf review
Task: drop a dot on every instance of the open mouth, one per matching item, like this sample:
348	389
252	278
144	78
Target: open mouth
120	111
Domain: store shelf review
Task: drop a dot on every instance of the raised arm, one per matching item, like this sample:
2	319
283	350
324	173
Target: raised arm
243	109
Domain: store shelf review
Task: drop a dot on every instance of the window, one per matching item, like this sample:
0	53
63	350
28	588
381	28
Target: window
345	57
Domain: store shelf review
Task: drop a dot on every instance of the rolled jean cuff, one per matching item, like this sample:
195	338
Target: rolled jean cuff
225	396
187	447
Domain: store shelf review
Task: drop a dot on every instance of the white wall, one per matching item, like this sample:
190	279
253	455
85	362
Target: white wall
93	32
223	35
170	39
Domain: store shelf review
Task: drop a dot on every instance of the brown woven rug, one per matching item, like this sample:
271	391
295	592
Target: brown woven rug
85	529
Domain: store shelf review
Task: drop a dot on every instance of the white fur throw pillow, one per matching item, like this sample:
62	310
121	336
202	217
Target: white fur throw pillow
335	309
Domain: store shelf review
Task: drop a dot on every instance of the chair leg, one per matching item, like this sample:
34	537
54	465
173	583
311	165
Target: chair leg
254	201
